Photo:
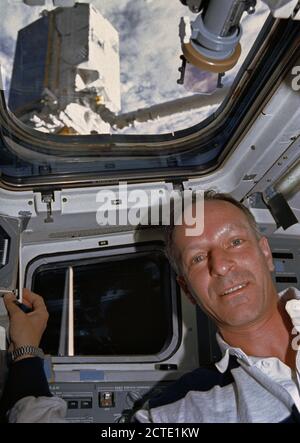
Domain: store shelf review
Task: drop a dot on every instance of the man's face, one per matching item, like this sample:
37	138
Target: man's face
227	269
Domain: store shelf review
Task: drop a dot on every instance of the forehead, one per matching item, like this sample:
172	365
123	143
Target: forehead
220	218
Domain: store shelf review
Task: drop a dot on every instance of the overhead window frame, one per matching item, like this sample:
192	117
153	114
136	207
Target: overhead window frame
212	139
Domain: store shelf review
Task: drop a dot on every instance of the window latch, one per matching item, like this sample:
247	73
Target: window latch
48	199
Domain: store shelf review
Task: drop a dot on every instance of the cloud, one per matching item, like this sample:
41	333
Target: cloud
14	16
149	51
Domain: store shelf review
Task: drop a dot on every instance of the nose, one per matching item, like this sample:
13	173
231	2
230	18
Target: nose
220	262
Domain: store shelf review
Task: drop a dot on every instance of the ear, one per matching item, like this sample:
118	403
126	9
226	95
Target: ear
183	285
266	250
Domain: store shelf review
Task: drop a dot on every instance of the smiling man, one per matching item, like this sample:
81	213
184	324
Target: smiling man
227	271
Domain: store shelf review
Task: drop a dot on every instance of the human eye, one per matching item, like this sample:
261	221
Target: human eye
199	258
236	242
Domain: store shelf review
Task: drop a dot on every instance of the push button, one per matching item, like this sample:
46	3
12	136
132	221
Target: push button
106	400
86	404
72	404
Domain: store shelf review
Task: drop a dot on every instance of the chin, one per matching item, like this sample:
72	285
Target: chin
241	315
243	319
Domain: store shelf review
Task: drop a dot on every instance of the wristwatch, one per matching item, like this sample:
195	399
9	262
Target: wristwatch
25	350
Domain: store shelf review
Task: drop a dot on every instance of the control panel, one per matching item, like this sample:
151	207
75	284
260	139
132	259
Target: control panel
104	402
286	259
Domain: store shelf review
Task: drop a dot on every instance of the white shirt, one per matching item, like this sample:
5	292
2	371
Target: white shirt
272	366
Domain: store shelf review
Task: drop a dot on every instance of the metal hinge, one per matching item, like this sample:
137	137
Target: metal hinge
48	203
48	199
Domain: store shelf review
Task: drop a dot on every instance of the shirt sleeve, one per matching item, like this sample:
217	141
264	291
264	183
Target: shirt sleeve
25	378
38	410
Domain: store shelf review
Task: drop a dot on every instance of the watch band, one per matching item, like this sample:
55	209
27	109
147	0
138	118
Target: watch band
25	350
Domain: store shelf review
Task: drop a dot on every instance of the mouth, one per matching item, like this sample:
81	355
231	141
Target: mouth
234	289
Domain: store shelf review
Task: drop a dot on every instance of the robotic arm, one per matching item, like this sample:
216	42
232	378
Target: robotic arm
62	3
211	42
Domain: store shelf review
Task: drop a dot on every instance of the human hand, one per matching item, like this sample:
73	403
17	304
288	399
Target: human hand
26	329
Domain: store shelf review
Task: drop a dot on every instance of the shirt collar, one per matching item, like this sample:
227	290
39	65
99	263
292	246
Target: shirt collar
228	350
291	298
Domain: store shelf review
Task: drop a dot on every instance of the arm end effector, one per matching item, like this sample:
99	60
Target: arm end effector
211	42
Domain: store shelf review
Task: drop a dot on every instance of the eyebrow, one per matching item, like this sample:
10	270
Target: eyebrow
194	246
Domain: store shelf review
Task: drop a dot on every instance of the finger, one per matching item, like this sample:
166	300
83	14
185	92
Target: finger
26	298
9	300
29	295
35	300
32	298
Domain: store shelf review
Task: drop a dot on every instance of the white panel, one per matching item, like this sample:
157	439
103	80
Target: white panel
281	8
275	131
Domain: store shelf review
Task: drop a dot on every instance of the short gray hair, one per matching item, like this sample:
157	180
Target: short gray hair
209	195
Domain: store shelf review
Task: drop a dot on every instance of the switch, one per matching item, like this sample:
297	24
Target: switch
72	404
106	400
86	404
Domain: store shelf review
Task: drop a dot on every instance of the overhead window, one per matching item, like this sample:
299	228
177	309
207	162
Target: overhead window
112	67
91	89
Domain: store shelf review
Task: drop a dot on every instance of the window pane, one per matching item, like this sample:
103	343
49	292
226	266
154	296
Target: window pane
83	69
121	306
